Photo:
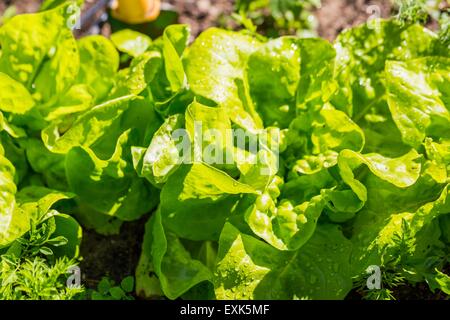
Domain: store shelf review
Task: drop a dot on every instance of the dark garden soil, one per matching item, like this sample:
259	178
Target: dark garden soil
22	6
336	15
117	256
202	14
333	17
113	256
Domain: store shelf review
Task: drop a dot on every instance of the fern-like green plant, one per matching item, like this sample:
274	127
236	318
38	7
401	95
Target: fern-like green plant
30	271
35	279
392	269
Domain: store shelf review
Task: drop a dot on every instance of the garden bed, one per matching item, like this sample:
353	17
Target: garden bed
117	256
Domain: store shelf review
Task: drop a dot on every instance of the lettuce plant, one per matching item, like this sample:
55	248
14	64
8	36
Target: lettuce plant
353	144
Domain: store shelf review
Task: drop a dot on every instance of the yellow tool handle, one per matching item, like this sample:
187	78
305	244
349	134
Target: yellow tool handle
136	11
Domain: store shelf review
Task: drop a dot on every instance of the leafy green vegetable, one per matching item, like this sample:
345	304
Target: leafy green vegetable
265	169
224	55
177	271
401	172
99	64
273	74
14	97
162	156
197	199
418	97
248	268
131	42
93	180
40	52
87	129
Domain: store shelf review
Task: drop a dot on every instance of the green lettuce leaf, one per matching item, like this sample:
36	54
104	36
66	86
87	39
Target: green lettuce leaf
39	51
419	98
316	73
281	223
362	53
376	229
110	186
177	271
14	97
67	227
88	128
30	205
319	135
162	157
215	68
131	42
7	199
248	268
197	199
401	172
99	64
273	74
175	39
